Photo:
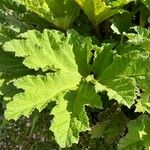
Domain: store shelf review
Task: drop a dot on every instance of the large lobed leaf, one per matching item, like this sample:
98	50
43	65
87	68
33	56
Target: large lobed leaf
69	58
50	50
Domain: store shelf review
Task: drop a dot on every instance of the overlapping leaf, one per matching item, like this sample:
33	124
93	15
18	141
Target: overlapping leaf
141	37
3	37
69	57
111	128
119	77
138	135
11	17
99	10
143	104
66	68
60	13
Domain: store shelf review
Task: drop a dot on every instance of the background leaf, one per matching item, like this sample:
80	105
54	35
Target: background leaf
99	10
137	136
111	128
59	13
141	38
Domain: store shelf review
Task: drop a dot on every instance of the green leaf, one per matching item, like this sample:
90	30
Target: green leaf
11	20
111	128
104	57
143	104
39	91
52	50
69	114
60	13
138	135
99	10
122	22
12	5
11	17
141	37
8	64
45	51
122	89
69	57
146	3
56	51
6	34
124	48
15	17
128	65
11	68
119	77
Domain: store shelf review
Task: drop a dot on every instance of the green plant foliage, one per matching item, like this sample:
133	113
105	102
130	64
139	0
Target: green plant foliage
59	52
143	104
110	128
3	35
59	13
40	90
146	3
11	20
138	135
122	23
74	74
141	38
10	68
70	107
99	10
120	72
